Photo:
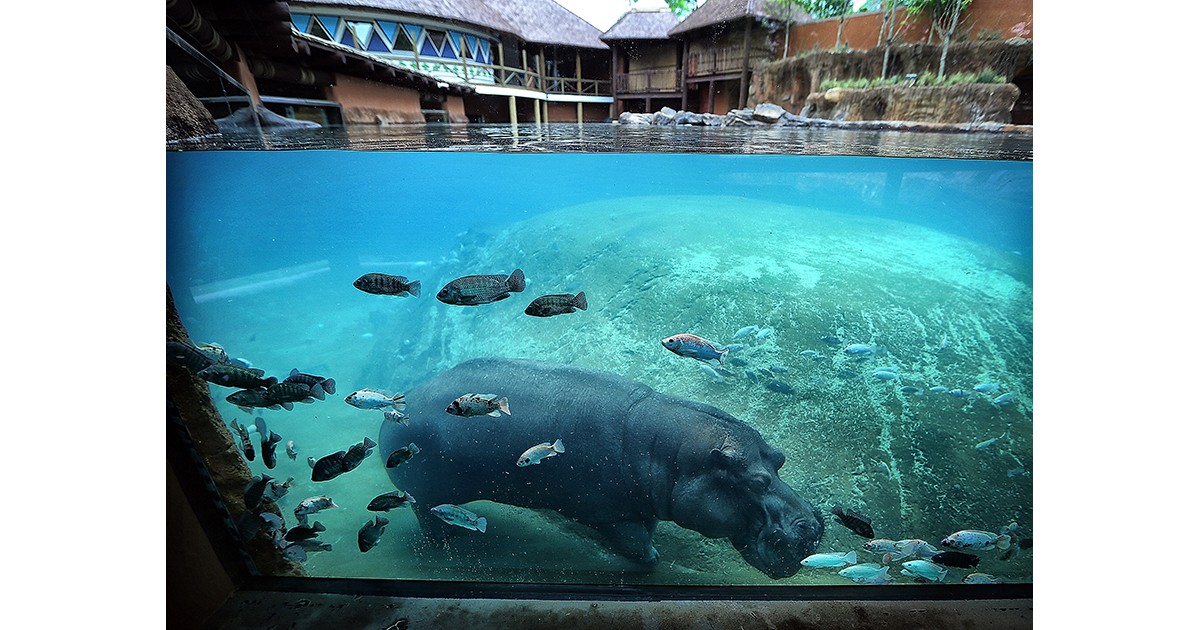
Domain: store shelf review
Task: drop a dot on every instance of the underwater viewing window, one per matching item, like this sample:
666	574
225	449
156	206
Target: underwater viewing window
461	360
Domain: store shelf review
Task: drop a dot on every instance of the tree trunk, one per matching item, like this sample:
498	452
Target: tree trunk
787	33
841	24
947	37
889	18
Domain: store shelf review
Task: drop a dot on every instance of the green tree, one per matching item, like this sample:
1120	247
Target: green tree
785	11
943	14
678	7
822	9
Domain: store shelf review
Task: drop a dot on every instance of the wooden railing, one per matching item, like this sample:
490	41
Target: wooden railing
530	80
722	60
572	85
662	79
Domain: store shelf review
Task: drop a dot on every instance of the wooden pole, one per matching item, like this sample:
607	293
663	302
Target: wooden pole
683	76
744	84
512	112
579	86
612	107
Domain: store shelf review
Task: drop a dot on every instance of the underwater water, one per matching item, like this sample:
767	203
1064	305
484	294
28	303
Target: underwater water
927	262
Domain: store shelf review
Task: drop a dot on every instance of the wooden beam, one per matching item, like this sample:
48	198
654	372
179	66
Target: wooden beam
612	109
683	76
744	85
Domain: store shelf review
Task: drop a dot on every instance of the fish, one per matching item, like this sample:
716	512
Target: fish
370	399
401	455
356	454
312	462
738	361
939	389
1014	550
249	399
880	545
304	532
254	490
291	449
958	393
328	467
981	578
312	546
390	501
557	304
286	394
312	505
847	374
469	405
328	385
986	443
885	375
295	553
859	349
276	491
925	569
187	355
986	388
370	533
273	524
822	560
711	373
215	352
391	415
1003	399
977	539
778	369
764	333
781	387
832	340
914	547
387	284
745	331
854	521
268	441
695	347
481	289
956	559
535	454
1019	471
243	439
235	376
460	516
867	573
735	348
909	389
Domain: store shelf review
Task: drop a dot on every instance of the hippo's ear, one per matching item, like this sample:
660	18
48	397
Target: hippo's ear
722	458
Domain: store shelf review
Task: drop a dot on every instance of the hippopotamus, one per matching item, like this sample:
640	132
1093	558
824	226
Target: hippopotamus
633	457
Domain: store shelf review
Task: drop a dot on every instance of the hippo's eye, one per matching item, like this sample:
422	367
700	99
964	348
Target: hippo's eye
760	482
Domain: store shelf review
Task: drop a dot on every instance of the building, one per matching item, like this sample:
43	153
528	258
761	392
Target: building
646	62
392	61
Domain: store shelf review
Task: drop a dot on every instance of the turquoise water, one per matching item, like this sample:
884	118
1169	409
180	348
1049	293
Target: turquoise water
928	260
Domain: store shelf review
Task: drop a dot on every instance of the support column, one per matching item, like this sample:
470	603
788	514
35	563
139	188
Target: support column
744	85
537	112
579	112
712	96
512	111
614	107
683	64
578	86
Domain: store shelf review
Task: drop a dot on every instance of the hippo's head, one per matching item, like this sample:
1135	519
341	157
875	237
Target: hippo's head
732	489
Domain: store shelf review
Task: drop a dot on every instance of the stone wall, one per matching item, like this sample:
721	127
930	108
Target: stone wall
966	103
788	82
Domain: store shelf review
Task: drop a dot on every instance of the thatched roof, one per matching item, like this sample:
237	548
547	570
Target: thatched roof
724	11
535	21
641	25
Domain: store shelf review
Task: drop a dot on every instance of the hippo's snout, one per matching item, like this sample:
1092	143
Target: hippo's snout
780	545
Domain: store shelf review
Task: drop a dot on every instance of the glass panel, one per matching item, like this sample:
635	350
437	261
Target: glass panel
330	24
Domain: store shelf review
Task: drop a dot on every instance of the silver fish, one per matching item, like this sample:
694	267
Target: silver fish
535	454
745	331
370	399
469	405
460	516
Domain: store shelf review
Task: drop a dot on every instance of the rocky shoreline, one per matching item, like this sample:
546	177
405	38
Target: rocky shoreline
771	115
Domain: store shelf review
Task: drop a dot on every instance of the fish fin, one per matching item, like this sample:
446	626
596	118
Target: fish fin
504	406
721	356
558	446
414	288
1003	541
272	381
287	405
369	443
318	527
317	391
275	438
516	281
481	523
261	426
495	413
245	409
294	372
581	301
852	557
329	385
398	402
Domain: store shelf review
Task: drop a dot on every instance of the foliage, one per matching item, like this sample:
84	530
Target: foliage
940	12
926	79
821	9
678	7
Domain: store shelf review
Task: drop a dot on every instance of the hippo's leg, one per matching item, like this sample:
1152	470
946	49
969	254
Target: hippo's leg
631	539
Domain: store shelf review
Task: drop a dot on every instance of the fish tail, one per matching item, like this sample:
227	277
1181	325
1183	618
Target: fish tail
504	406
516	281
581	301
318	527
481	523
558	446
414	288
369	443
329	386
852	557
1003	541
271	380
398	402
721	354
